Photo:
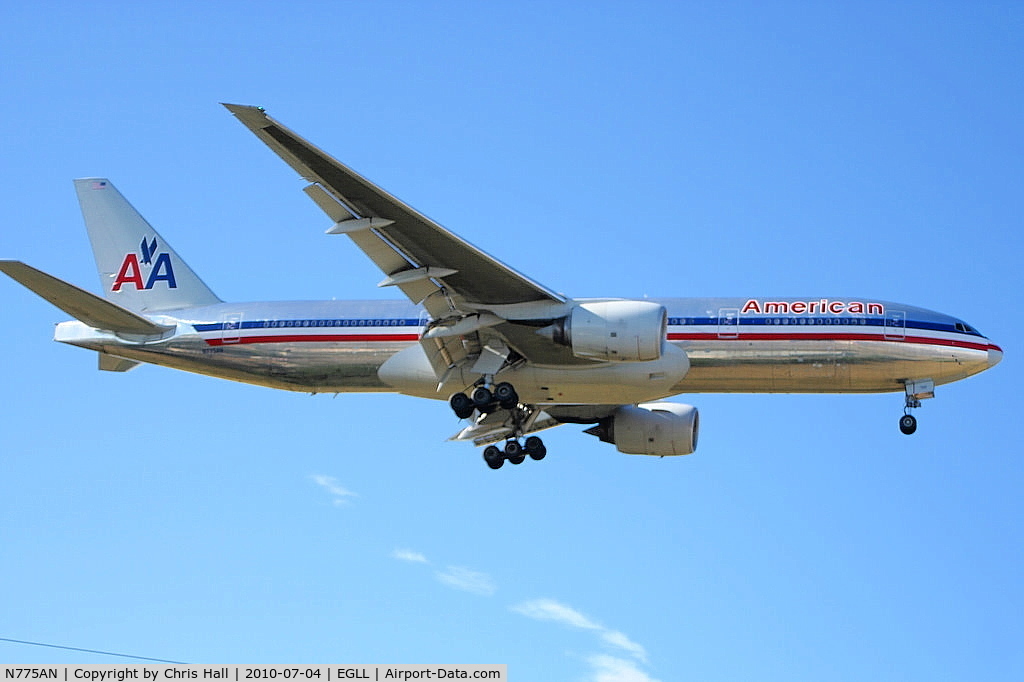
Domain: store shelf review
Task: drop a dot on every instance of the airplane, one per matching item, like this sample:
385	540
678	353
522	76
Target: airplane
511	356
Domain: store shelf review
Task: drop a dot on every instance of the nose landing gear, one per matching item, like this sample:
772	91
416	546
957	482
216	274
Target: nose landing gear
916	391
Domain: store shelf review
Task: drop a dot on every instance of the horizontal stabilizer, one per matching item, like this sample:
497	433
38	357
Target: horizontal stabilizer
91	309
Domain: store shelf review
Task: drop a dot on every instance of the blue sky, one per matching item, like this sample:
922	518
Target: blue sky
604	149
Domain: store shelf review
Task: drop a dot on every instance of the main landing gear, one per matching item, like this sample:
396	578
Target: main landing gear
515	452
502	396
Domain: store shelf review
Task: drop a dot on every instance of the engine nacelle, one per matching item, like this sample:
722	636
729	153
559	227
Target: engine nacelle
620	331
659	429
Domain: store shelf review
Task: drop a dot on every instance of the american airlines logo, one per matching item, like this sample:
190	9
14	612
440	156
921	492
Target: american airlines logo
157	265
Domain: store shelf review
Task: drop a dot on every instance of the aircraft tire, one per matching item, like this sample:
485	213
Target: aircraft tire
908	424
514	452
506	395
494	457
482	397
535	448
462	405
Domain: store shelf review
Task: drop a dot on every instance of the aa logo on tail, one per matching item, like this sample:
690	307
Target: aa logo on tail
160	269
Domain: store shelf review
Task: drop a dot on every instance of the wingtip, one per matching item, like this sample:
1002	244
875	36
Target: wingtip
236	107
251	116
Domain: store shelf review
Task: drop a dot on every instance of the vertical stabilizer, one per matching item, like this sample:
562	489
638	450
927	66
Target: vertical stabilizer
138	269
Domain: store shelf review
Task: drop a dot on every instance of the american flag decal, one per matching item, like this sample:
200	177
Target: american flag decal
99	185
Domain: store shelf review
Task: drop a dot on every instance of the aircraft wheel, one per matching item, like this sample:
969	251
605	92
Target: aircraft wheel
462	405
482	397
493	457
908	424
535	448
514	452
506	395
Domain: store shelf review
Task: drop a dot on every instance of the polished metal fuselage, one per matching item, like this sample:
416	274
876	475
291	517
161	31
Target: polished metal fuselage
732	345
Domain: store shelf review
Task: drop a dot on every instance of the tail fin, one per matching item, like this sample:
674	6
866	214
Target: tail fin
138	269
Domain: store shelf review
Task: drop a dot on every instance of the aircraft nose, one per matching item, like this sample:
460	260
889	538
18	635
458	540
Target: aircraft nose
995	354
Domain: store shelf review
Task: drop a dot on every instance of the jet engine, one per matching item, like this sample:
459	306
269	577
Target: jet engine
619	331
659	429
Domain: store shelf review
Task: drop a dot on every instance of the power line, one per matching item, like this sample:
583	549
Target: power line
89	651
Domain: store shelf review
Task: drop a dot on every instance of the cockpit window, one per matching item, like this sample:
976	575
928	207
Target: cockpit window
967	329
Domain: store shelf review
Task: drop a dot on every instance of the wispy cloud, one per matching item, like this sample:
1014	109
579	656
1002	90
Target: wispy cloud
409	555
604	667
467	580
339	494
551	610
457	577
612	669
619	640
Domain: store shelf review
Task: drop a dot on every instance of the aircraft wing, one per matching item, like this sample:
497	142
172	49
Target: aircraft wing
470	295
408	246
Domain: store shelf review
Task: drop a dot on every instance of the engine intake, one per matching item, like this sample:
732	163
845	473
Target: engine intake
619	331
660	429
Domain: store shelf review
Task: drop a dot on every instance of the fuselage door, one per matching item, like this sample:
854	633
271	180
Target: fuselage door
895	324
728	323
231	329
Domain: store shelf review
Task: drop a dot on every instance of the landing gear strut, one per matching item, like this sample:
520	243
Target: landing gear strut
915	392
